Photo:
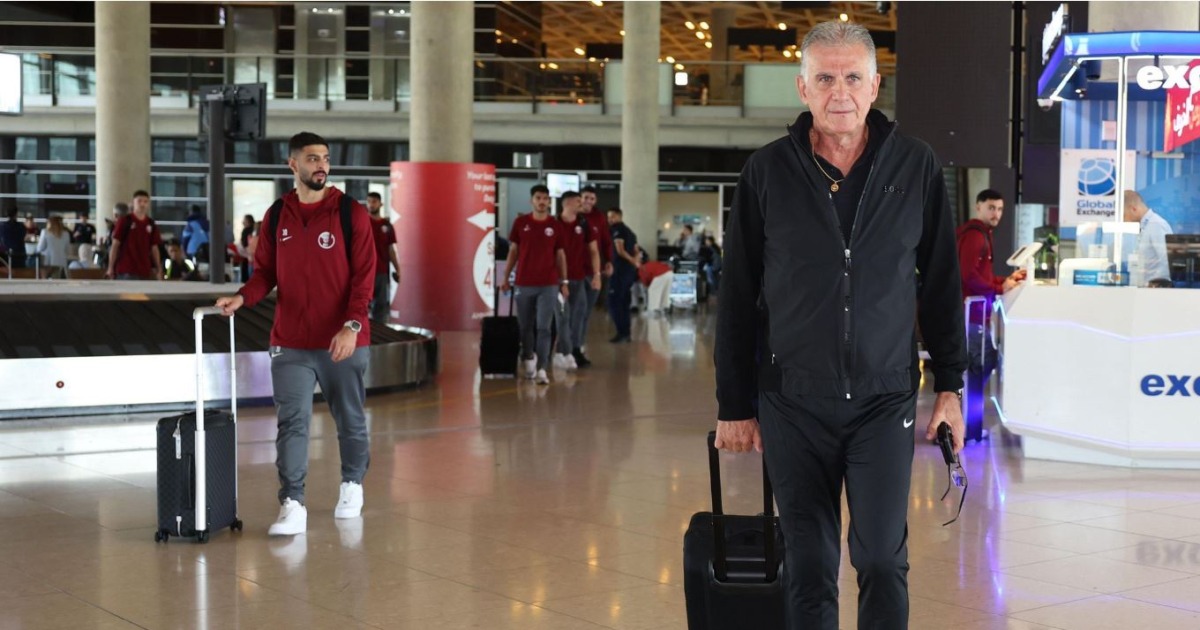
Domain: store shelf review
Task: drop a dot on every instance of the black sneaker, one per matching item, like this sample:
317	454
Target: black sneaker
581	360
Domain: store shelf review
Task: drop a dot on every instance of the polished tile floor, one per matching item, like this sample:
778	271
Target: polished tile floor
499	504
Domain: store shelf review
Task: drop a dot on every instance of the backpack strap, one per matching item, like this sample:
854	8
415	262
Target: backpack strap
273	220
347	211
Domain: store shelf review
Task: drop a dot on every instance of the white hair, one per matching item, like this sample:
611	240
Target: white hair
837	33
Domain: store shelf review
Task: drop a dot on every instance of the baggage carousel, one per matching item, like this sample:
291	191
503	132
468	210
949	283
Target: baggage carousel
102	347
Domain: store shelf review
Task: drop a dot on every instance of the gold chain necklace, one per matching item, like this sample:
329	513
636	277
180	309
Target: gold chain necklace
833	183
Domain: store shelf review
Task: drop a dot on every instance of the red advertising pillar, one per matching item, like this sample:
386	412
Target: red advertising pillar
445	234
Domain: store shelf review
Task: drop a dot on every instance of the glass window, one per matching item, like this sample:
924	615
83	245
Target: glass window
62	149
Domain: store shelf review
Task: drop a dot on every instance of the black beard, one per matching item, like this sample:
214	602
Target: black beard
311	184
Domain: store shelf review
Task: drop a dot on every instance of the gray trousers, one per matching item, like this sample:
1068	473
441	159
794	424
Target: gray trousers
570	320
593	296
295	375
535	313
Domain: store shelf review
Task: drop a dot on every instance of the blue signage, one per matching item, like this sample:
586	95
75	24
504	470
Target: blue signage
1170	385
1077	46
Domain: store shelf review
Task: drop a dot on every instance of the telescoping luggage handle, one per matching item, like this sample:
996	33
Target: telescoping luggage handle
201	444
720	559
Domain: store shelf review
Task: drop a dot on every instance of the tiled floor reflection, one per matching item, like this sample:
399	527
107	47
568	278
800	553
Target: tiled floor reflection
499	504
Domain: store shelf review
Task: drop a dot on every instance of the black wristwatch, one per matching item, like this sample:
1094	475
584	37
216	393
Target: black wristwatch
354	326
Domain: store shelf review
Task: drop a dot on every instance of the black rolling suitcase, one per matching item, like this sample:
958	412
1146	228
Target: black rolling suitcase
733	565
500	343
197	462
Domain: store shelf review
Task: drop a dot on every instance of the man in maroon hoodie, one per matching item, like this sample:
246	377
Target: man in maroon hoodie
975	262
321	333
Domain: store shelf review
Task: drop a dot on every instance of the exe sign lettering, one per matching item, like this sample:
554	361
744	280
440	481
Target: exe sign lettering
1170	385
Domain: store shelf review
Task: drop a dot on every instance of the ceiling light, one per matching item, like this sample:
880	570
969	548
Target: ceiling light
553	66
499	41
498	32
514	40
598	3
787	53
592	59
782	26
699	35
704	25
708	44
579	51
402	12
391	12
670	60
843	17
622	33
681	79
314	9
542	66
679	66
691	27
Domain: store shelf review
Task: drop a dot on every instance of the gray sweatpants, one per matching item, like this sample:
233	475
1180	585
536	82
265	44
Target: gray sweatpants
295	375
570	322
535	312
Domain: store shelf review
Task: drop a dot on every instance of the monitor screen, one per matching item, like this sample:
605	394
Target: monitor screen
559	183
10	84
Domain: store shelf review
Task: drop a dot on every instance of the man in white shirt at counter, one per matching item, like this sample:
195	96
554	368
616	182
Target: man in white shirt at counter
1152	237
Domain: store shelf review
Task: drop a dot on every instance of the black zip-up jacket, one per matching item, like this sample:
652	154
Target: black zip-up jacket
840	315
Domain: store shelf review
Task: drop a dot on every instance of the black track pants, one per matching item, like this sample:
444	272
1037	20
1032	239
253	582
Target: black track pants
813	444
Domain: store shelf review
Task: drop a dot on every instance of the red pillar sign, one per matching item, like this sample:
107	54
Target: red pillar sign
445	234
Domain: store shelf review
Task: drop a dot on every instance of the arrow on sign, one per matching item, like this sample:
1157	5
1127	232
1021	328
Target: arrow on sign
483	220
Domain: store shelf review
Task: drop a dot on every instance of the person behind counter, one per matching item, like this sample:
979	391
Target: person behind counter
1152	238
975	251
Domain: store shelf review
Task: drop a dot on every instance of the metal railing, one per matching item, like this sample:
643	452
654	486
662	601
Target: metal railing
59	74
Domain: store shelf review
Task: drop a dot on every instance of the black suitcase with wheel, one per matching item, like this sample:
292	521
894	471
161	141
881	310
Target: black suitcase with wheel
500	344
733	565
197	462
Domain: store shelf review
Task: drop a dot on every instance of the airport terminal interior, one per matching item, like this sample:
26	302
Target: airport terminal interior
495	498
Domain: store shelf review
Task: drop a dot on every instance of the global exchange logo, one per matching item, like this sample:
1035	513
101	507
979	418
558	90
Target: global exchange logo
1097	177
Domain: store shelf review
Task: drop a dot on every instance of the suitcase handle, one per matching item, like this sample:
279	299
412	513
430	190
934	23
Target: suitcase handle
720	558
201	464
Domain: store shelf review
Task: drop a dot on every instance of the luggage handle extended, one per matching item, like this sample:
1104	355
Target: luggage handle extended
201	465
720	559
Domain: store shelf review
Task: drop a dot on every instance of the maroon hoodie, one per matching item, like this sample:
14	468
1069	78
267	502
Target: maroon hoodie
318	292
975	260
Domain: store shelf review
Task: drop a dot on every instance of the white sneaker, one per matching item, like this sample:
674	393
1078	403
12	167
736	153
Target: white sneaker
570	363
350	501
530	366
559	362
541	378
293	519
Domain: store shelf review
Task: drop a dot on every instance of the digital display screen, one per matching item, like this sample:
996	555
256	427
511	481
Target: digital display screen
559	183
10	84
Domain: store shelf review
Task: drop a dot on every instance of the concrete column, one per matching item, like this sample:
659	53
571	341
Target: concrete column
719	90
122	102
440	126
639	122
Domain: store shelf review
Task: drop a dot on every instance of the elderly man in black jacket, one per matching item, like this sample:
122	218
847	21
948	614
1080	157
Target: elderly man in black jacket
840	232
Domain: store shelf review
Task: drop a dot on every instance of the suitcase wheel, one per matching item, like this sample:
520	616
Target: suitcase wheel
160	536
202	537
236	526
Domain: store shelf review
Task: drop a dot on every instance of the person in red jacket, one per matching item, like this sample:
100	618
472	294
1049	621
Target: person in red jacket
975	253
385	254
598	224
321	333
135	243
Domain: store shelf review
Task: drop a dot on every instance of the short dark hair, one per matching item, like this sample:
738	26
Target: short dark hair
375	195
987	194
538	188
588	189
570	194
12	213
140	193
305	139
618	211
688	227
175	242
